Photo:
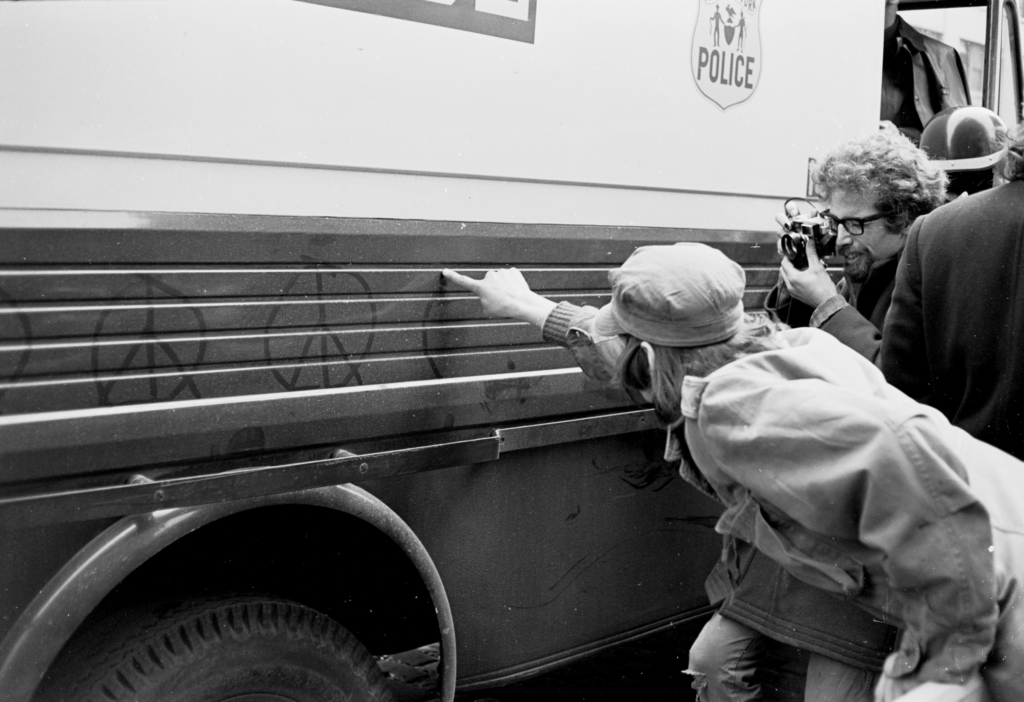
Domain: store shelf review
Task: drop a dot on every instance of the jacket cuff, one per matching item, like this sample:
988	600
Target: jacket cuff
556	326
954	665
823	312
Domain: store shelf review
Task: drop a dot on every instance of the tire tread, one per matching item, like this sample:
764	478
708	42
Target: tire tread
150	646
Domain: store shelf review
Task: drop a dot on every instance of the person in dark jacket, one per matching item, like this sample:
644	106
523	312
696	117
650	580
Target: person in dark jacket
955	330
921	76
873	189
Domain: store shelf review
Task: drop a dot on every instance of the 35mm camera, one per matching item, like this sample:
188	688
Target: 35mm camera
802	229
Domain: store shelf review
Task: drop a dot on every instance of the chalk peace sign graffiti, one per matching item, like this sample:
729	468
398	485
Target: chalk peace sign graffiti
323	356
166	334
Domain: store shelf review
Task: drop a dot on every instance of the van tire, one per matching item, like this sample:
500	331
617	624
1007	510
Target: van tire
232	649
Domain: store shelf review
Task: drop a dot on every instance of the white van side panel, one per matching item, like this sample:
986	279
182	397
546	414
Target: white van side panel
377	116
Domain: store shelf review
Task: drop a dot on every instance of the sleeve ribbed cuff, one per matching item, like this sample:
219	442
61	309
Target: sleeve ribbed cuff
558	323
823	312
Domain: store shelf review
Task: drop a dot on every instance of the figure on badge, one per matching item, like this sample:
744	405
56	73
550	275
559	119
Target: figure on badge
741	33
716	21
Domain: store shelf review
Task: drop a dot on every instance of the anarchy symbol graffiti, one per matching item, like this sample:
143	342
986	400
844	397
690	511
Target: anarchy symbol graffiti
152	355
312	358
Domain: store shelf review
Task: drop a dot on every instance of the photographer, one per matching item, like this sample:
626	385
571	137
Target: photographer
872	190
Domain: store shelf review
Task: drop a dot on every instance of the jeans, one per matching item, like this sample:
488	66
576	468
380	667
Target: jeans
733	663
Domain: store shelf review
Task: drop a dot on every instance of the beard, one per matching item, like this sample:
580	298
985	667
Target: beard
857	267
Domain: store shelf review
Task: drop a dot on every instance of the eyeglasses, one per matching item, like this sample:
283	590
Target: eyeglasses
853	225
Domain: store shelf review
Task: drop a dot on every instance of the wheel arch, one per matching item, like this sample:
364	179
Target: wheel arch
59	610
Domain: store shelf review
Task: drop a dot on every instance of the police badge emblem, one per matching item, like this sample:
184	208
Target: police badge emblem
726	52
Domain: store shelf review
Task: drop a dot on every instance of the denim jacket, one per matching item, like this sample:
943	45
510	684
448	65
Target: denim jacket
854	488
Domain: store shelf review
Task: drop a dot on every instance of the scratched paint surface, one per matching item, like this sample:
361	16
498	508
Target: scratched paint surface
351	318
551	549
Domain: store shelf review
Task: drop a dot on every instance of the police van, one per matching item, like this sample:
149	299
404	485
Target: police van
250	443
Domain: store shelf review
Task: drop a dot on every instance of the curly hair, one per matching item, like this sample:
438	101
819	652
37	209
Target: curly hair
886	165
673	363
1012	166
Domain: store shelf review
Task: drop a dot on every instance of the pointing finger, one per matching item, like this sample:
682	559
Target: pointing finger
463	281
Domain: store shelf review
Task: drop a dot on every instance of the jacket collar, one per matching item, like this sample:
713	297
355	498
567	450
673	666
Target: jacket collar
884	270
693	389
909	34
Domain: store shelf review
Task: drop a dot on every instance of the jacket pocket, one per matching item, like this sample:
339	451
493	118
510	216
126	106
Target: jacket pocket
804	555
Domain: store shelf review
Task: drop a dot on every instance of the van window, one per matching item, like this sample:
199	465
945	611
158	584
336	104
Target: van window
963	28
931	60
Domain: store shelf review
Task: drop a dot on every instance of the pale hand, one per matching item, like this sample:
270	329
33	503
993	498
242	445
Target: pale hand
910	689
889	689
505	293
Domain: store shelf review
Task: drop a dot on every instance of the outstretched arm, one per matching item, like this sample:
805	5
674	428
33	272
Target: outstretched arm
505	293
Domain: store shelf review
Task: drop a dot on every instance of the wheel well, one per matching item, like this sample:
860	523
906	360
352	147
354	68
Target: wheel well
330	561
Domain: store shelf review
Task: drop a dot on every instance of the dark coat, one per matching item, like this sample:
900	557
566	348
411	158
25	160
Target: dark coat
920	77
954	338
859	326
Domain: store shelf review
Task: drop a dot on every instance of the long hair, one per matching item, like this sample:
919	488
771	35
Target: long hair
672	364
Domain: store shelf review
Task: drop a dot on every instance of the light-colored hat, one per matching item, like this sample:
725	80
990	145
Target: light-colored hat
680	295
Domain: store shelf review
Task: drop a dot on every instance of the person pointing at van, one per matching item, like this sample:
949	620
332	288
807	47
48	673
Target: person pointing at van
844	481
835	649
